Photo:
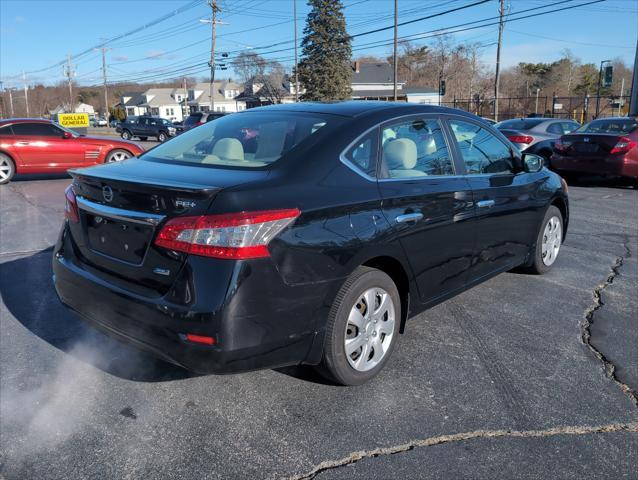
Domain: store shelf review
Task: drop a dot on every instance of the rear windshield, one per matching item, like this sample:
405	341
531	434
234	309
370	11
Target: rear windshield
246	140
193	119
610	125
519	123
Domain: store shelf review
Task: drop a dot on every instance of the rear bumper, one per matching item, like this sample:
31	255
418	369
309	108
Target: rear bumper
611	166
258	322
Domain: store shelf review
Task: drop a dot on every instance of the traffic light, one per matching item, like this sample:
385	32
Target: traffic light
225	55
442	88
608	76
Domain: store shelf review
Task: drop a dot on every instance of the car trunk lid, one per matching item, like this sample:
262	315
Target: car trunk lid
587	145
123	205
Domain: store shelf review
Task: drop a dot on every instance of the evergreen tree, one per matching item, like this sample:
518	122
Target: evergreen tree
324	70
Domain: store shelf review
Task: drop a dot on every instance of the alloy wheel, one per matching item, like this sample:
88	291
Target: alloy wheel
117	156
552	238
5	169
369	329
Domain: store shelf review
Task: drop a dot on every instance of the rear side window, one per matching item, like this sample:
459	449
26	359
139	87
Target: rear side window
555	128
482	152
36	130
248	140
569	127
415	148
6	130
363	154
610	125
193	119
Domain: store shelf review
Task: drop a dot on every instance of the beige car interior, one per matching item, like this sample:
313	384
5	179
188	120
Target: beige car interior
400	156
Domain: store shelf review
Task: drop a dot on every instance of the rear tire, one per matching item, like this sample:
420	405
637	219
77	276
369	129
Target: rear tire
548	242
362	328
126	135
7	169
117	155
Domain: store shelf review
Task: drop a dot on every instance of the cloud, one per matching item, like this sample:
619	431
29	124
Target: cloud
159	55
120	58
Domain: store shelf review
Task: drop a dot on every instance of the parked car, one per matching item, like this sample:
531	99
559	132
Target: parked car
200	118
101	122
310	242
536	135
29	145
607	146
145	126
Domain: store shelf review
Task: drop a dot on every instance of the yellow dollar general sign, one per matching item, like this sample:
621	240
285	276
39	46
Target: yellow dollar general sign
71	120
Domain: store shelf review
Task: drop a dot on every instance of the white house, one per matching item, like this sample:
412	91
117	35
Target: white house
374	81
78	108
225	95
164	103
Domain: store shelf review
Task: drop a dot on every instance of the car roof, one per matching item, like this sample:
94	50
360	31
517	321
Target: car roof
357	108
5	121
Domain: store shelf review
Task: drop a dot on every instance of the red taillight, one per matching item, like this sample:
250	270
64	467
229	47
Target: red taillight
71	206
202	339
562	145
520	138
232	235
624	145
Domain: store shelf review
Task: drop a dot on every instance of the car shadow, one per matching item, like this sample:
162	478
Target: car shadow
33	302
589	181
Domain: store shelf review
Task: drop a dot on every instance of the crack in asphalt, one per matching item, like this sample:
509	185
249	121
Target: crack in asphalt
32	202
588	320
458	437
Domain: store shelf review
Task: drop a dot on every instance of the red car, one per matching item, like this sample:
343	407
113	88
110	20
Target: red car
30	145
607	147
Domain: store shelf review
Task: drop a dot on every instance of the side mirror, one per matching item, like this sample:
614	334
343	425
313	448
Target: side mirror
67	135
532	163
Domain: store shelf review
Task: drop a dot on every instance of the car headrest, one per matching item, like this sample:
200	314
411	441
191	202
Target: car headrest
229	149
400	154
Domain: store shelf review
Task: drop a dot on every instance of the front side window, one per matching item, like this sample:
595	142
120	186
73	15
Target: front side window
363	154
415	148
247	141
36	130
481	151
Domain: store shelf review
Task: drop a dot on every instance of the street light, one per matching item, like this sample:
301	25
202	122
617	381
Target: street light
600	74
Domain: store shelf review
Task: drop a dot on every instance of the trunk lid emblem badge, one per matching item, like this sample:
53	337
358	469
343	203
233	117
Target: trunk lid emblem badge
107	193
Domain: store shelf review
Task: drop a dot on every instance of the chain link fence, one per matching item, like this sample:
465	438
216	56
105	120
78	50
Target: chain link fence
581	109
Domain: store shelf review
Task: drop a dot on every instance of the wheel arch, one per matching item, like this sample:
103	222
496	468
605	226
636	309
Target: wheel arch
561	204
397	272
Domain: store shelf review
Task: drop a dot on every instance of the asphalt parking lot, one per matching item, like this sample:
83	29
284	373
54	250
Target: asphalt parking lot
521	377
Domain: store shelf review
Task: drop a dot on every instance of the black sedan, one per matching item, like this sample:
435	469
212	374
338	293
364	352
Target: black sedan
302	234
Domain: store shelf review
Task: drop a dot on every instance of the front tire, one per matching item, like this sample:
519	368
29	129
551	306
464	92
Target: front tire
362	328
161	137
7	169
126	135
548	242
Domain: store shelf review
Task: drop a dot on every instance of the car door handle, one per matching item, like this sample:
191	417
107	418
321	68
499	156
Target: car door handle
485	203
22	143
409	217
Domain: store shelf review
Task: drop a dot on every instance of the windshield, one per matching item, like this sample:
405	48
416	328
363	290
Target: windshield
246	140
610	125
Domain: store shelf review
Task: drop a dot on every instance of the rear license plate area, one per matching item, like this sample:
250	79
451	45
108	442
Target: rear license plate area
586	147
118	239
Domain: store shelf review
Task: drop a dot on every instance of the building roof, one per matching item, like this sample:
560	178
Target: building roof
371	73
159	96
134	99
218	88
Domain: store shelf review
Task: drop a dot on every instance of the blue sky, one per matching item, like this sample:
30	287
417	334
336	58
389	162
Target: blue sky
35	35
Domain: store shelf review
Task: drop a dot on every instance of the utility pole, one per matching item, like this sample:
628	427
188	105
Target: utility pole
394	51
213	24
11	102
622	92
294	13
633	100
69	73
497	78
185	106
26	91
106	94
2	97
600	77
536	107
